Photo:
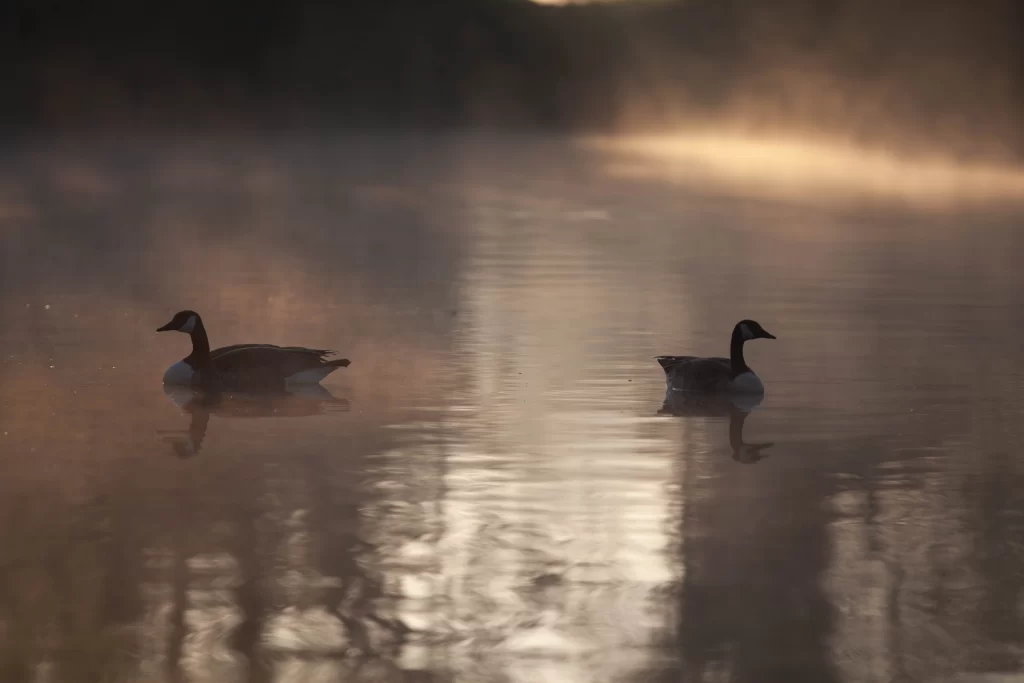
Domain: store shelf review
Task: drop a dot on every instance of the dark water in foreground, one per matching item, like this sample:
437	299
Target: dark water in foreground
493	491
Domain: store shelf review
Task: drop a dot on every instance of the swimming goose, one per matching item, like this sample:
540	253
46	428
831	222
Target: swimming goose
244	366
690	373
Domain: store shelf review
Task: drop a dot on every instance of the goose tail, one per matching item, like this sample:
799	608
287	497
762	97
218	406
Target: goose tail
315	374
668	363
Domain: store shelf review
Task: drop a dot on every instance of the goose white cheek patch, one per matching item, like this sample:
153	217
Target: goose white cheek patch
745	331
189	325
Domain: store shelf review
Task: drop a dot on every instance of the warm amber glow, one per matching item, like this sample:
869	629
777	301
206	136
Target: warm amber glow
806	169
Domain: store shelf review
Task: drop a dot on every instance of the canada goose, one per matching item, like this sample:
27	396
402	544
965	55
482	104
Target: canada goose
690	373
244	366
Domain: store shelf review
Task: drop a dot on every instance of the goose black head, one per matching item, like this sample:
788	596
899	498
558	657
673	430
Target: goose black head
751	329
183	321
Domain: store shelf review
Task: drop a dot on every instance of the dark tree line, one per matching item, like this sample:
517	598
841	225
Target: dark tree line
836	63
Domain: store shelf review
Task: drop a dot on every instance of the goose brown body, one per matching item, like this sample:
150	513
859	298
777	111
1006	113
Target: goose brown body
244	366
716	374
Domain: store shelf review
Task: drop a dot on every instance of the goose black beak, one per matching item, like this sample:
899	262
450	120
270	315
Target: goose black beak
165	328
768	335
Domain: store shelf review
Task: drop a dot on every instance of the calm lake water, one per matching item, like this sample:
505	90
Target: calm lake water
495	490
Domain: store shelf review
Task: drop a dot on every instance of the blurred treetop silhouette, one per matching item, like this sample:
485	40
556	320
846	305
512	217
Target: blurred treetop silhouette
862	67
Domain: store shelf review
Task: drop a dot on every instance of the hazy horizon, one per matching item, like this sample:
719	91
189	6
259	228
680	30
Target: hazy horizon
923	76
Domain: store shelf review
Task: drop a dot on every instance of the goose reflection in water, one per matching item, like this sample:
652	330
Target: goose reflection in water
304	401
736	407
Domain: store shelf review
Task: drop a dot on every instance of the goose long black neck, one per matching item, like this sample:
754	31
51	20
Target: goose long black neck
739	366
200	356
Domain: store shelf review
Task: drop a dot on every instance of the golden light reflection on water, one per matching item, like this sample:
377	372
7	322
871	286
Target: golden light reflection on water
806	169
904	554
543	541
522	556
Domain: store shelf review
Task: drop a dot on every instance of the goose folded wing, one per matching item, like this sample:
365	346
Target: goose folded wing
701	374
268	360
